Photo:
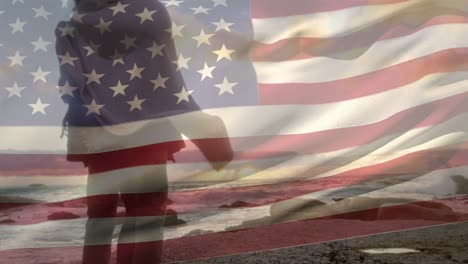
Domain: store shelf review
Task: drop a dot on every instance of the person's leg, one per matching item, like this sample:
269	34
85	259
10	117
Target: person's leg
100	224
145	197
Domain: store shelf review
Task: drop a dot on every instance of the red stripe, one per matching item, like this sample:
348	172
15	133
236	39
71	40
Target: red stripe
366	84
280	8
359	42
275	236
417	164
260	147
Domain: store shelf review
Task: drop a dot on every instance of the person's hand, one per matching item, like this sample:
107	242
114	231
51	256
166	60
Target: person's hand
227	158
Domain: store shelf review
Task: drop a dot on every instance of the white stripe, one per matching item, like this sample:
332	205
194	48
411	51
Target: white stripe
70	232
259	171
263	120
380	55
327	24
447	134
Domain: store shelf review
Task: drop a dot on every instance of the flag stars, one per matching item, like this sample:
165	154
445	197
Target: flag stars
128	42
117	58
219	3
66	30
172	3
225	87
64	3
78	17
206	72
93	77
223	53
159	82
93	108
40	75
175	30
67	59
39	107
156	49
135	103
135	72
200	10
17	26
222	25
41	12
183	95
15	90
146	15
17	59
66	89
40	44
203	38
91	48
103	26
119	89
118	8
182	62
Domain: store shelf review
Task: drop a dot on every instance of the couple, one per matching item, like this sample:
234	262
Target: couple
116	67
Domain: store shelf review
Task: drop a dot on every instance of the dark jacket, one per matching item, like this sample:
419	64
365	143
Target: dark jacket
113	43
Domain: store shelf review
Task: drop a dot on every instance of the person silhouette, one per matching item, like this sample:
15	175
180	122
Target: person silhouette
121	87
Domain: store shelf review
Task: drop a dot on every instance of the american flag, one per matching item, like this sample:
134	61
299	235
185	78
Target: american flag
337	111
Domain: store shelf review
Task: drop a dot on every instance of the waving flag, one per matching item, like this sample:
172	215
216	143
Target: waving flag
339	112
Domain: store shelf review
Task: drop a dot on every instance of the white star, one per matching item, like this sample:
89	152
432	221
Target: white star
93	77
91	48
176	30
14	90
117	58
66	89
222	25
93	108
38	107
15	1
64	3
41	12
67	30
183	95
135	103
103	26
203	38
182	62
67	59
225	87
200	9
223	53
156	49
17	26
159	82
172	3
78	17
219	2
135	72
128	42
40	75
40	44
146	15
206	72
119	8
119	89
16	60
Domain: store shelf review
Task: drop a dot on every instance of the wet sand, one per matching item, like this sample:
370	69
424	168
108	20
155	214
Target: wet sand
436	245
